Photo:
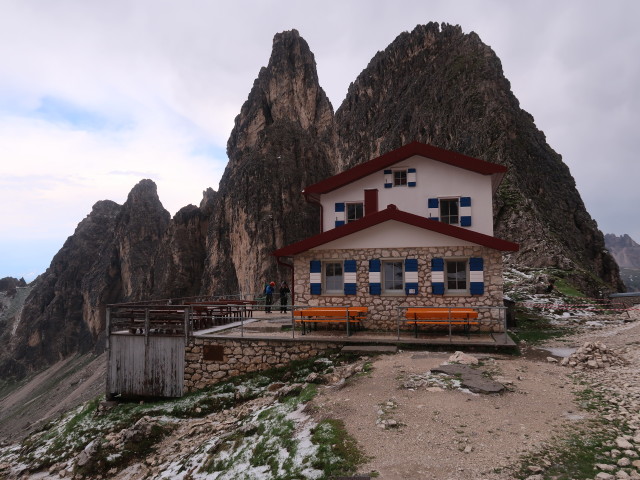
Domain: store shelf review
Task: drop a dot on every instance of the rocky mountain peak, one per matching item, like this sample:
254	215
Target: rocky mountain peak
287	89
282	141
441	86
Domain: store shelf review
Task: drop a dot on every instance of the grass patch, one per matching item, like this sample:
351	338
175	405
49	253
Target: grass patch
534	328
338	452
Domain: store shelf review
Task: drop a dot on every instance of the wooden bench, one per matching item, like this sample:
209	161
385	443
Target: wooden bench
327	315
451	317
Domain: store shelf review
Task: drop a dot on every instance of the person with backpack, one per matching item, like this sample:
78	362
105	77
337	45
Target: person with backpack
269	297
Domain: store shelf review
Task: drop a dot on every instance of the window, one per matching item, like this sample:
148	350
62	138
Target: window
333	277
399	178
449	211
355	211
456	276
392	276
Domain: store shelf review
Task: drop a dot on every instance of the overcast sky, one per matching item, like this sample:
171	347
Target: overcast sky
97	95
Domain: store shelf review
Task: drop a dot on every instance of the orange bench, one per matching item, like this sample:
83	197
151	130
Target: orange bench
455	316
315	315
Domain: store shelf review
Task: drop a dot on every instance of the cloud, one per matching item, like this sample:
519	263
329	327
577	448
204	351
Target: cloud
95	96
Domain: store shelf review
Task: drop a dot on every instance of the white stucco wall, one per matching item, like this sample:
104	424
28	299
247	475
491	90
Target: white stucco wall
393	234
434	179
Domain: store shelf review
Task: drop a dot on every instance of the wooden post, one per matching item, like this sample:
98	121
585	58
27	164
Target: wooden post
146	326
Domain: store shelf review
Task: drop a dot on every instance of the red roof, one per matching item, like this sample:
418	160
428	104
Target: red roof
392	213
414	148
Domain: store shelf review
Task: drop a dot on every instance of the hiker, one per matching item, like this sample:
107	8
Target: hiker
269	297
284	291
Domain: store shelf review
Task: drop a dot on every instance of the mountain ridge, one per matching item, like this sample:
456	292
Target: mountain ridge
434	84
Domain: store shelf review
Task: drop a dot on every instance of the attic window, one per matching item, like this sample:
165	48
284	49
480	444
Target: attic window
399	178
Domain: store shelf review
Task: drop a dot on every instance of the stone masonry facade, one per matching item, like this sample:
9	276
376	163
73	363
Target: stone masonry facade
383	313
237	356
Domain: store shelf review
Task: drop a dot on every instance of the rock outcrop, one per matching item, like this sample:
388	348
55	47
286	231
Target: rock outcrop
106	260
438	85
281	142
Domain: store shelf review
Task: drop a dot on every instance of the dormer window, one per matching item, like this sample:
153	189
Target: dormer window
399	178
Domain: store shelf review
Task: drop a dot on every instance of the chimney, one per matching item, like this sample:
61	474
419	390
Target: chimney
370	201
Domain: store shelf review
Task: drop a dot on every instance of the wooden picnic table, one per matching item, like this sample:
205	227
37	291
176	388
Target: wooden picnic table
451	316
328	315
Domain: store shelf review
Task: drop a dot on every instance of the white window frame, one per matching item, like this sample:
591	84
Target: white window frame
440	211
383	272
406	177
456	291
325	284
346	213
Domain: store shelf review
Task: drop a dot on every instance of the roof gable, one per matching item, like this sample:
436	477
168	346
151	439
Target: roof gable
391	158
392	213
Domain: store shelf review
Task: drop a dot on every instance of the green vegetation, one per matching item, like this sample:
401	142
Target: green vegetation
535	328
338	453
276	439
565	288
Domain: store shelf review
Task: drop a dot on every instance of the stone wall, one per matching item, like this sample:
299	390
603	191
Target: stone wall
383	313
211	360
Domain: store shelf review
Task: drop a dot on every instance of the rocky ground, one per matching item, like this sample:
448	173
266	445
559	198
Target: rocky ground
431	430
555	419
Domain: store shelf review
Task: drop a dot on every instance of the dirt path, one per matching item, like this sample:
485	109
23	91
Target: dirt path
453	434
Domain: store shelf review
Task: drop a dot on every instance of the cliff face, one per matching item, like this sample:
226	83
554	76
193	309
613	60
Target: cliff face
51	326
281	142
440	86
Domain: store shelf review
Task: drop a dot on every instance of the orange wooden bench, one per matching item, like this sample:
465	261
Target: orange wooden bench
454	316
324	315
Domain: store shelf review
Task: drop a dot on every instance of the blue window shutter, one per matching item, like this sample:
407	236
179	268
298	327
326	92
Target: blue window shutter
465	211
433	210
315	277
375	287
411	177
437	276
432	203
476	276
388	179
476	264
340	214
411	276
350	287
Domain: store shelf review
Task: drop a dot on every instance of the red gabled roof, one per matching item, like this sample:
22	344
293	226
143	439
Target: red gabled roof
414	148
392	213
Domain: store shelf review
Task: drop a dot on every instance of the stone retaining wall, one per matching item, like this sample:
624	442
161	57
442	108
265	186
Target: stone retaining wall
211	360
